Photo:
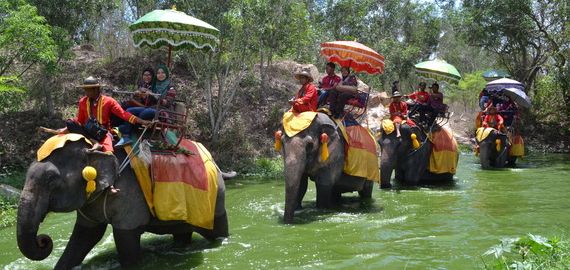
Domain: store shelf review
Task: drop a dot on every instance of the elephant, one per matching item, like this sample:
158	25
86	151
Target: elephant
55	184
302	161
410	165
493	149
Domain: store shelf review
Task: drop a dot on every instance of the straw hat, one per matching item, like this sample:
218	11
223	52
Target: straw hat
396	94
90	82
304	73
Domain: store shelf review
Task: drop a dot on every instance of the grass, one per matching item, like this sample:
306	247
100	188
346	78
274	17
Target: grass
528	252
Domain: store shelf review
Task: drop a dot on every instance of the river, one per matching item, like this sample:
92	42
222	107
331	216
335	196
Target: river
447	227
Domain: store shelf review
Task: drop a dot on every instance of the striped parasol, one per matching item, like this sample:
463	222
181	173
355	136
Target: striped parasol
438	70
173	28
357	56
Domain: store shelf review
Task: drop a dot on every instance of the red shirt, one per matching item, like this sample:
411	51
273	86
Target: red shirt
102	110
421	97
398	108
329	81
493	120
308	96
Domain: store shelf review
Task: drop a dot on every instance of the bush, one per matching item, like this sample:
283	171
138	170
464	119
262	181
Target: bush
529	252
12	97
8	212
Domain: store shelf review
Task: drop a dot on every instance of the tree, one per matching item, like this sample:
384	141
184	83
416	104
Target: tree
467	92
25	39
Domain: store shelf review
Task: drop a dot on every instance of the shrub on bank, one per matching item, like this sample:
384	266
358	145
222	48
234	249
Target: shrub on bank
529	252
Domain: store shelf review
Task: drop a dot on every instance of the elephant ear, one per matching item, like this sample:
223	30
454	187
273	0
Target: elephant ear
107	167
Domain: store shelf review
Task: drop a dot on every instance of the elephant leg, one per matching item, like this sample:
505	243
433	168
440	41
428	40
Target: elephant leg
128	243
82	240
324	196
182	239
366	192
302	191
220	228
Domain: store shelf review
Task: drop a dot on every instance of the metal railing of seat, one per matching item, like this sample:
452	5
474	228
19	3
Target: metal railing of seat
169	120
358	105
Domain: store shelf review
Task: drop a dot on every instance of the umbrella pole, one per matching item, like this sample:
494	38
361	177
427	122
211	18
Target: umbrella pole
169	55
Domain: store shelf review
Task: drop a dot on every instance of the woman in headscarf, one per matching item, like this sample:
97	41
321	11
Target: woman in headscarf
163	93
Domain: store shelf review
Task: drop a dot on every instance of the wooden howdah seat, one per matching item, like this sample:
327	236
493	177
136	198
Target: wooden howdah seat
170	120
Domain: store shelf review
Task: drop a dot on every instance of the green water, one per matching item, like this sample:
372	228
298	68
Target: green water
421	228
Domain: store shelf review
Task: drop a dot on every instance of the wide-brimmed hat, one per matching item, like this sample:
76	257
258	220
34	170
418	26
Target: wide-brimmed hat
90	82
305	74
396	94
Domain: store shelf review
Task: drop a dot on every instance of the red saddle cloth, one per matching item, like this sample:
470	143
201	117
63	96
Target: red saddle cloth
188	169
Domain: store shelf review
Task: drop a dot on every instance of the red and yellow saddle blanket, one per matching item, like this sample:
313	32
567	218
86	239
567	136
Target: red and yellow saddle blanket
183	187
517	146
444	154
361	157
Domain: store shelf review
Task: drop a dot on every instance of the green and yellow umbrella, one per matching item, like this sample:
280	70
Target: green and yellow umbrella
438	70
174	29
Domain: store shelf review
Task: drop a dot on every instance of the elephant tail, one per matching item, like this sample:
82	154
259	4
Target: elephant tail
228	175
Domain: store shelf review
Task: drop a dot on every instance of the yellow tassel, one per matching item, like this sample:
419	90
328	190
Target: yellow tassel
278	144
325	147
89	174
91	186
415	142
498	144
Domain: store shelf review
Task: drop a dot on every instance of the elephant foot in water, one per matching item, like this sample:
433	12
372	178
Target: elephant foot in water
182	239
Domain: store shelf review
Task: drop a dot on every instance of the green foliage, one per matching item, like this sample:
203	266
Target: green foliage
25	37
467	92
12	96
266	167
8	212
529	252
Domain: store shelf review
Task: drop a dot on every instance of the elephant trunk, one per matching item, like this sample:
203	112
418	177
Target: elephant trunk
32	209
386	166
295	159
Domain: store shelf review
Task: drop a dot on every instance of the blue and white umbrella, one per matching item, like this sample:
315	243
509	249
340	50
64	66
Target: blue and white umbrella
518	96
500	84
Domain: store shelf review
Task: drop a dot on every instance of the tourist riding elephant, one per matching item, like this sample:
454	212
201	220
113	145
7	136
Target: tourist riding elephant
57	184
411	165
303	160
493	148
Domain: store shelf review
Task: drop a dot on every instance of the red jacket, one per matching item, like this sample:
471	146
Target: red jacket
102	110
398	109
308	96
420	97
493	120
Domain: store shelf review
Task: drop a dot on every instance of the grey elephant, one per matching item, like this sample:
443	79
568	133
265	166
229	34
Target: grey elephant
56	184
410	164
302	158
493	148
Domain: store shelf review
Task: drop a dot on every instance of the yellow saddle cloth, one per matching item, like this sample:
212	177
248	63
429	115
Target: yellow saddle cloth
444	154
293	123
482	133
56	142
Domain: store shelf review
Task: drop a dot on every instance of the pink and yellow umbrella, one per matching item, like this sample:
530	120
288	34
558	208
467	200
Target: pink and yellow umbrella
357	56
